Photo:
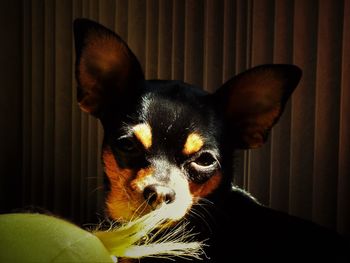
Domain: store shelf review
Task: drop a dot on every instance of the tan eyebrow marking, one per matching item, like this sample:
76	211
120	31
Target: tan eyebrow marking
143	133
194	143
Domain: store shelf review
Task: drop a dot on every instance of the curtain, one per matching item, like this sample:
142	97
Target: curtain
51	150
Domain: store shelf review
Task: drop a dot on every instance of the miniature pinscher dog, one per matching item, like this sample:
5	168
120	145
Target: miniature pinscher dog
167	142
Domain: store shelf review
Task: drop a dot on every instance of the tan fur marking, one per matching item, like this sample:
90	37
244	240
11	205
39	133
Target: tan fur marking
143	133
193	144
202	190
143	178
122	201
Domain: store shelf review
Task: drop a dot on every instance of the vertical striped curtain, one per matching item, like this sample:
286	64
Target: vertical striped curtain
304	168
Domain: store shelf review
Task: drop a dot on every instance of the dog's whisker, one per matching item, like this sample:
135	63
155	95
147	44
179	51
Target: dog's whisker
196	214
139	210
98	188
204	201
205	211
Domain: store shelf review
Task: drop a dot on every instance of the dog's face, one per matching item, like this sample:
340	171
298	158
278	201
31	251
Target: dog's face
166	142
163	149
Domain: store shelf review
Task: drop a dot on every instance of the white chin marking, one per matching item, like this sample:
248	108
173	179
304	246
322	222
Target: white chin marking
183	198
176	211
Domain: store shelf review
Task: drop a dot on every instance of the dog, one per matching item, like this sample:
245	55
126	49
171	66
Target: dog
169	143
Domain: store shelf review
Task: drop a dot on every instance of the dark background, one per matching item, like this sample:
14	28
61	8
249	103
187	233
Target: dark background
50	151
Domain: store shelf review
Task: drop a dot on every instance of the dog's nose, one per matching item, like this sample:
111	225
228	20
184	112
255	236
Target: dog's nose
158	194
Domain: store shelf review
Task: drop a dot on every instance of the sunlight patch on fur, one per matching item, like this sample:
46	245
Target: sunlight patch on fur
143	133
193	144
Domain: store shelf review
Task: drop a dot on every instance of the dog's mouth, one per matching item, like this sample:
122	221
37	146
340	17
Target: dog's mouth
130	204
171	213
127	203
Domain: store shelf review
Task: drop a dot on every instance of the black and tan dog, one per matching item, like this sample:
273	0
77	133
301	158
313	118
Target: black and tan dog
167	142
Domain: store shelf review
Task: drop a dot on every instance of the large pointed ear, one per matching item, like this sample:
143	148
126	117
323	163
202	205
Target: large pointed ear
105	66
253	101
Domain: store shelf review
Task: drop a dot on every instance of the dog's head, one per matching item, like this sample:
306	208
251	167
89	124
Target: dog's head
167	142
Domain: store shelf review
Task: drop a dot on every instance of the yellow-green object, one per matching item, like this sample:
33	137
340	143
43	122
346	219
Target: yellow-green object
42	238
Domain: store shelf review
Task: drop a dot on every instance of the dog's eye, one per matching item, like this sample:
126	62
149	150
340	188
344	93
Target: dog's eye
126	145
202	167
204	161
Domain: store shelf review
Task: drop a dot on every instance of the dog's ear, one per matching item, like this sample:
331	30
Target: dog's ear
253	101
105	66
